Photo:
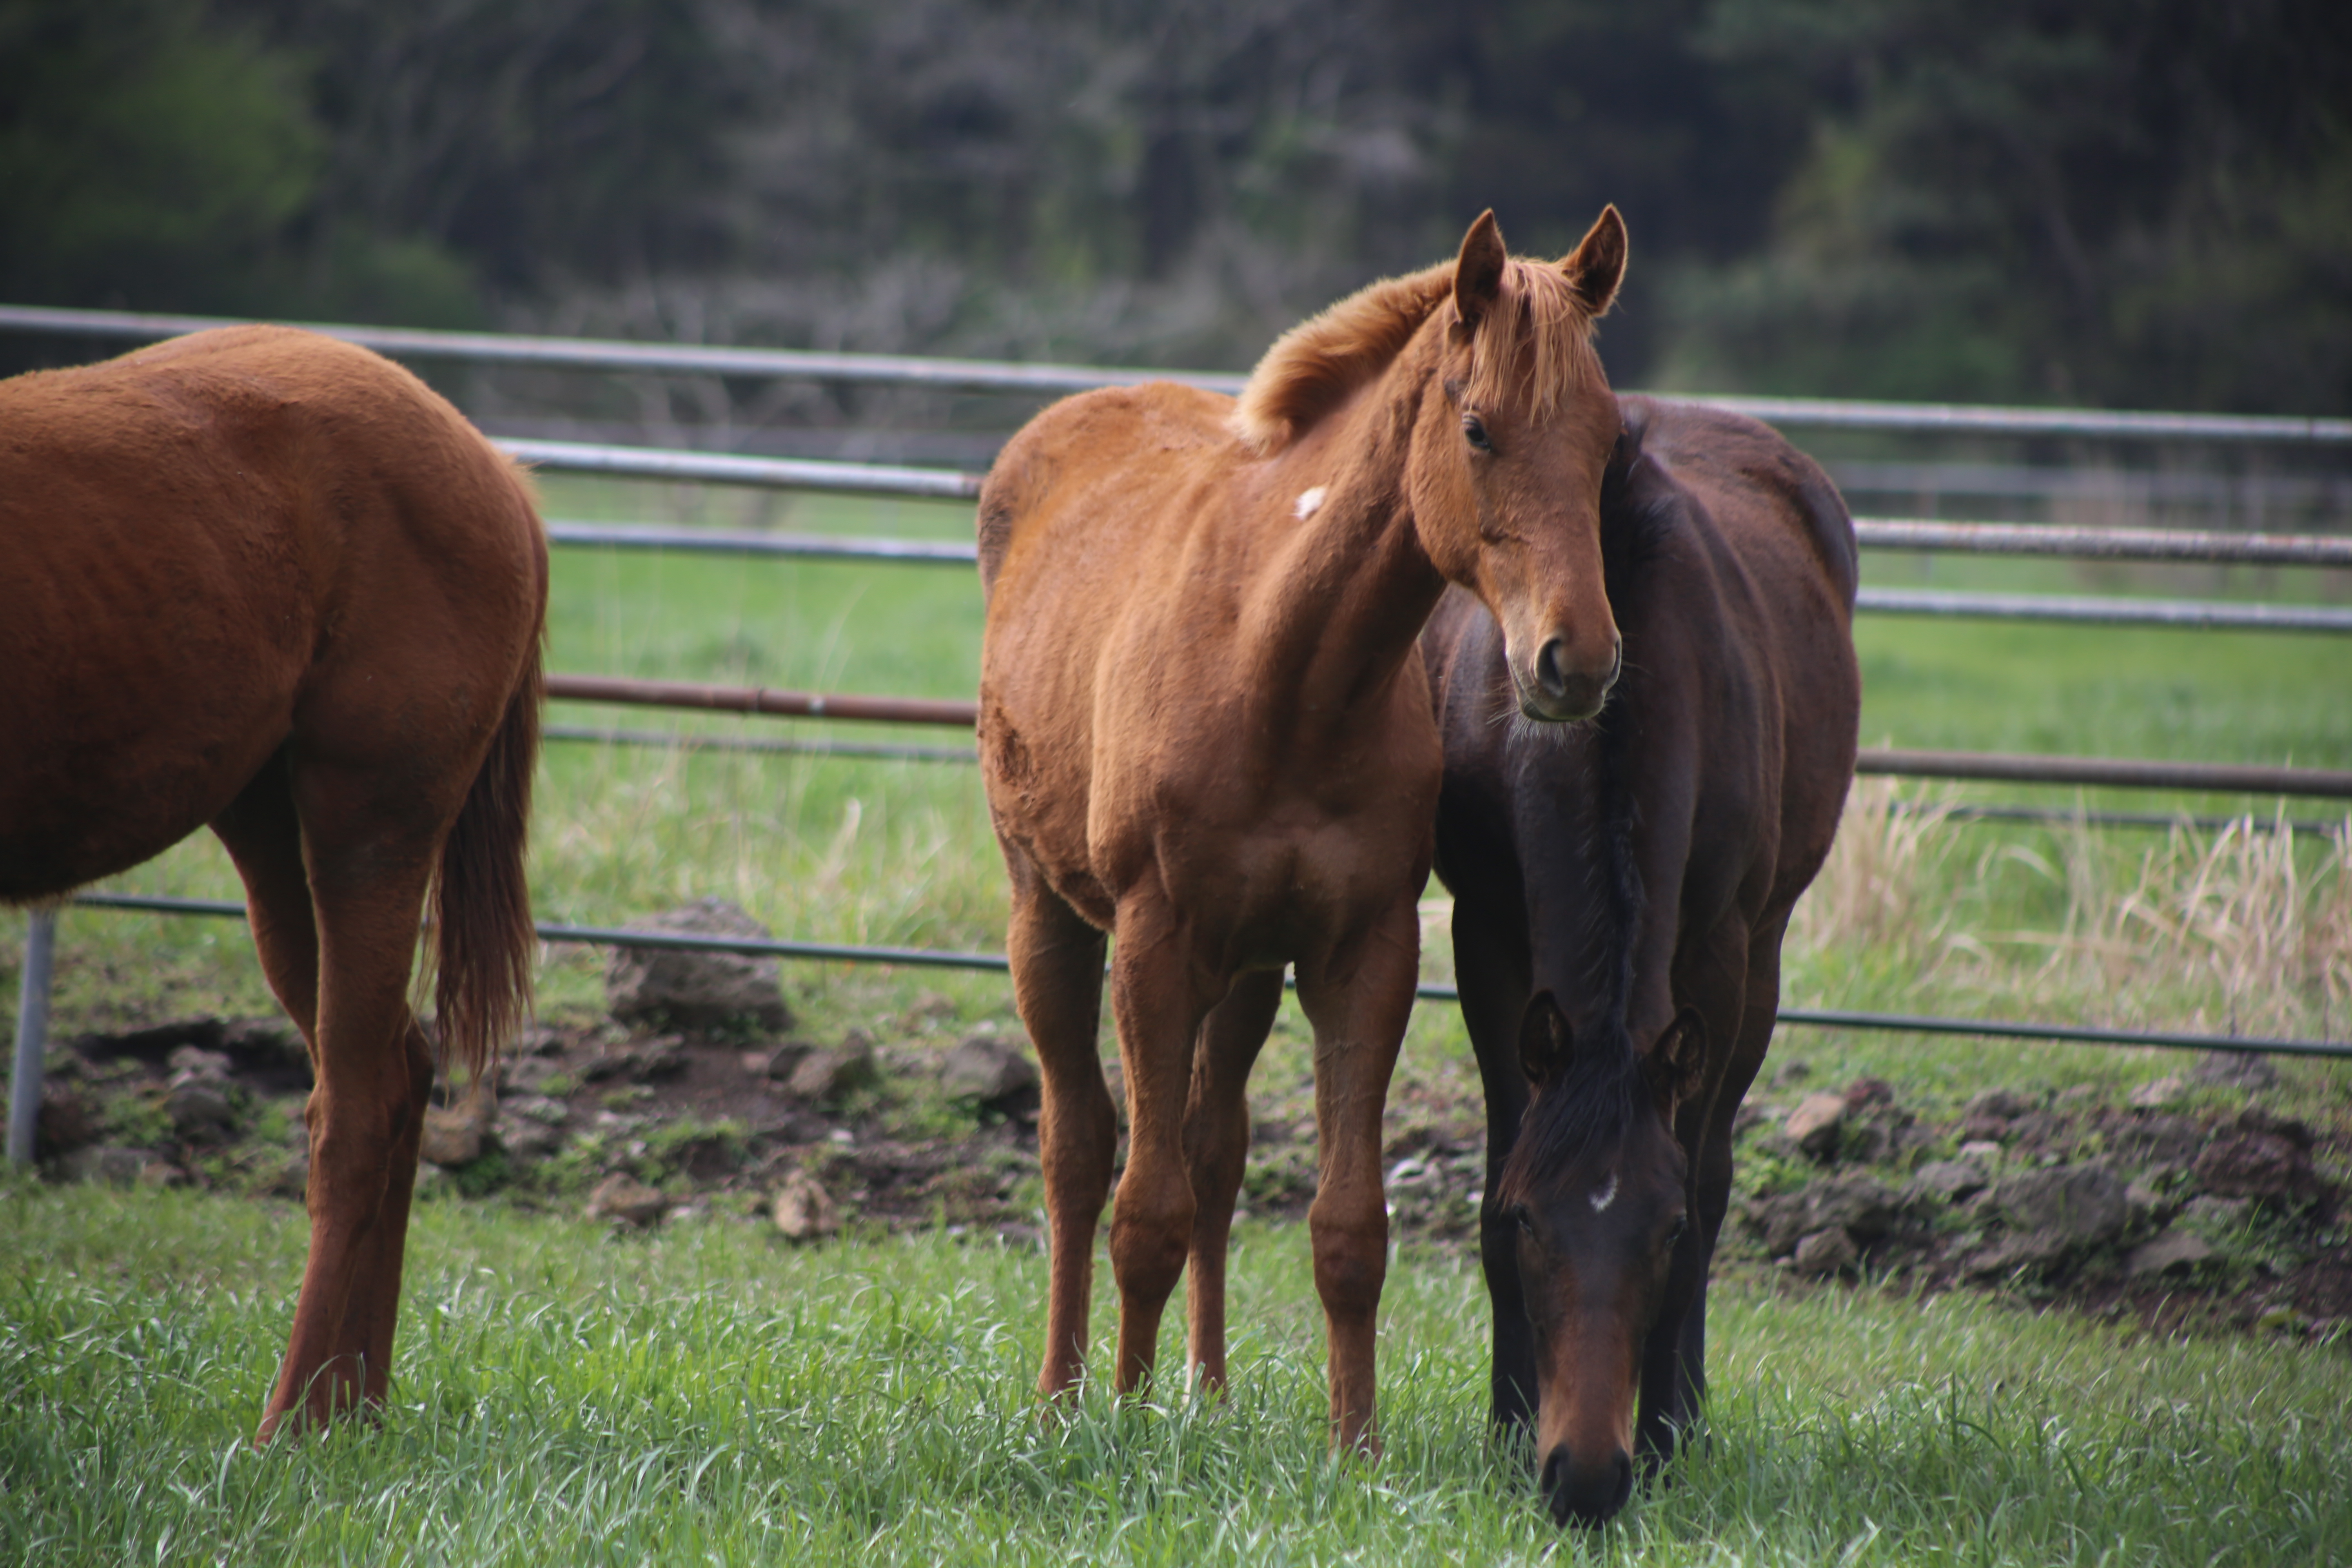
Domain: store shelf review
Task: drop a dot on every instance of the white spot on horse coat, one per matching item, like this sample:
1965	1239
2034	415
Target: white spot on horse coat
1606	1195
1308	501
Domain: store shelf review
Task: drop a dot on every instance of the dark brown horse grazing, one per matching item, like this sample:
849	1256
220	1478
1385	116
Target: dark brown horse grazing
265	581
1203	729
1621	888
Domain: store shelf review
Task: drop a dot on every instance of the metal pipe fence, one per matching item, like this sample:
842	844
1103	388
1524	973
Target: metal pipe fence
1055	380
1428	991
1048	380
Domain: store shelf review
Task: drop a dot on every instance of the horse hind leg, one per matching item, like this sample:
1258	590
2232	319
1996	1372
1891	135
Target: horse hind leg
1057	966
1216	1150
338	887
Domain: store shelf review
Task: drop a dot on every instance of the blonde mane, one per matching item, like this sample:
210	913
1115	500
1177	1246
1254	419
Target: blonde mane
1540	334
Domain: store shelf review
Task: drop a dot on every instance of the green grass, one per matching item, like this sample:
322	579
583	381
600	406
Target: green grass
710	1395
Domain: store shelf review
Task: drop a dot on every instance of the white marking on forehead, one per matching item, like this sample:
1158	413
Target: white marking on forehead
1606	1195
1308	501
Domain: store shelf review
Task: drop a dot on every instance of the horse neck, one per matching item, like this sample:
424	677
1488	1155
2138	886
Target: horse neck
1339	620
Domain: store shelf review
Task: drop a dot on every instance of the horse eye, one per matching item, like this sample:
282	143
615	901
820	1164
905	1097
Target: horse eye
1682	1224
1475	430
1521	1218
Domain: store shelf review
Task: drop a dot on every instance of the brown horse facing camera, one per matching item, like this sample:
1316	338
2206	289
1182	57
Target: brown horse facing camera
1204	729
268	582
1620	890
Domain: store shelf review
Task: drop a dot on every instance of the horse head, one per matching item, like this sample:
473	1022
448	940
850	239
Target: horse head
1514	431
1598	1190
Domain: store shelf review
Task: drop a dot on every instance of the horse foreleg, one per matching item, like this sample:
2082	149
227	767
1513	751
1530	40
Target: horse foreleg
1057	960
1359	999
1216	1150
1159	1000
1492	971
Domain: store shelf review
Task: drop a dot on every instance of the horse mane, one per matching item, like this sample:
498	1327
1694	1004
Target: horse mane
1595	1099
1540	334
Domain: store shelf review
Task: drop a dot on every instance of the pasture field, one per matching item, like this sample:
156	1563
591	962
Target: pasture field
709	1395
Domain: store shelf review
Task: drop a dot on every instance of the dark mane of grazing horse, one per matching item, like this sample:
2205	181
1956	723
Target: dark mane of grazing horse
1593	1100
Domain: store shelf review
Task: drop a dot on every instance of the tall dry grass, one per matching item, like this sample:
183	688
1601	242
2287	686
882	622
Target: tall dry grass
2244	928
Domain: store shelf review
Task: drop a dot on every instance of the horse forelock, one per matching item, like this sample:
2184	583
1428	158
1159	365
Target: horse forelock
1537	345
1590	1106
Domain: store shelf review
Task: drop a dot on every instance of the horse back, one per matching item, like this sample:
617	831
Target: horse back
230	540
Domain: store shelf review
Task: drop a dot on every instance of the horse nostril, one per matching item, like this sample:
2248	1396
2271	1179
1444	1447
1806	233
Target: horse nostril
1586	1495
1549	673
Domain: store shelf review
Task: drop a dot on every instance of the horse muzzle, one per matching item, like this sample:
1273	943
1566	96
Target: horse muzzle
1586	1494
1565	690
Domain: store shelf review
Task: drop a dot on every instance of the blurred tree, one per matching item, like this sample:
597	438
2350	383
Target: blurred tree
145	158
2120	201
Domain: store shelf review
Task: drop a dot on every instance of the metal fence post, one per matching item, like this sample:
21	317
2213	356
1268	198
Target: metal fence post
32	1036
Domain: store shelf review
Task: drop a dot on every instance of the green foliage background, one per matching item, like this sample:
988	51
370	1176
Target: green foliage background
2135	202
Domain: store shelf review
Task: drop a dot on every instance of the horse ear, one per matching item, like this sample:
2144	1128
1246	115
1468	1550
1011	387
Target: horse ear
1598	264
1478	270
1546	1038
1676	1063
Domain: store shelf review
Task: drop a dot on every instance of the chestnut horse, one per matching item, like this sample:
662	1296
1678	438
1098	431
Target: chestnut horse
268	582
1205	730
1620	890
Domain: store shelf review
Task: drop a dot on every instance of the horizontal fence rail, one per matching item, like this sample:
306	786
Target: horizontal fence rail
1054	379
2029	539
2207	778
2082	609
835	953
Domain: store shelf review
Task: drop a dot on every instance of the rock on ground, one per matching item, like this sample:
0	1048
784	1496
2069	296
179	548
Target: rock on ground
1826	1252
825	1076
698	990
626	1201
454	1134
987	1068
804	1210
1813	1125
2266	1160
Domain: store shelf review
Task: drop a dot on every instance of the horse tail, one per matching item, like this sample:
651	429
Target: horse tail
485	942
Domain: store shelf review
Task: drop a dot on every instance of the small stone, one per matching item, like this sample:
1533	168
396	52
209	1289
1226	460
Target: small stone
2064	1207
987	1068
1865	1093
2173	1250
200	1110
697	989
827	1075
1826	1252
109	1165
454	1134
2266	1163
1997	1102
804	1210
626	1201
1861	1205
2160	1093
525	1136
2217	1214
2235	1070
1813	1125
527	1075
1952	1181
1982	1149
64	1123
782	1062
196	1062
